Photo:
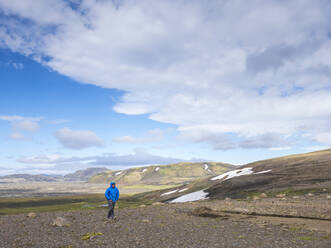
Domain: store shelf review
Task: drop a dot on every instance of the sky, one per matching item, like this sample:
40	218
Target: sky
122	83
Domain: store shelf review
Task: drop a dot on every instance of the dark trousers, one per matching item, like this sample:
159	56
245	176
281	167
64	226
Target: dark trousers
111	206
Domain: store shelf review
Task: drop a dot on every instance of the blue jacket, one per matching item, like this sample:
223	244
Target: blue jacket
112	193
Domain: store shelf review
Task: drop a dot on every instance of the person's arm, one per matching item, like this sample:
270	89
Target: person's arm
107	194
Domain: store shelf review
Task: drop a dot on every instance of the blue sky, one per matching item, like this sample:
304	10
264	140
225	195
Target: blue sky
155	82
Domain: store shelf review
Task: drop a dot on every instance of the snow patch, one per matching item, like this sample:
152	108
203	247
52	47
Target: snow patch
234	173
194	196
262	172
117	173
170	192
157	168
207	168
182	190
144	170
238	173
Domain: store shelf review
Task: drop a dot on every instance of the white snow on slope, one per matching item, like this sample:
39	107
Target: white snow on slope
207	168
262	172
144	170
117	173
234	173
170	192
182	190
194	196
157	168
238	173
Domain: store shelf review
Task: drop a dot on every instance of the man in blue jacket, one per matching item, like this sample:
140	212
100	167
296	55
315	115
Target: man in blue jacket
112	194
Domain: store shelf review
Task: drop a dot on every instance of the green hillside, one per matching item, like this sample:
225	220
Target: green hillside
171	174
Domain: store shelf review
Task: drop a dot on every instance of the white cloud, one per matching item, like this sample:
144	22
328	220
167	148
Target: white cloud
152	136
41	159
268	140
58	121
223	71
324	138
29	124
11	118
26	125
281	148
18	66
78	139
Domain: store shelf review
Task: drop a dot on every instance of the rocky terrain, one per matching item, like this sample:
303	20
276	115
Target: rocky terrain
210	223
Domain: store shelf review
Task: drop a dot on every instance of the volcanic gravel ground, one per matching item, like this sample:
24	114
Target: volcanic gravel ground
169	225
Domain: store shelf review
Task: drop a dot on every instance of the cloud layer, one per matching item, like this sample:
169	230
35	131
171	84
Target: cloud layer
115	161
251	74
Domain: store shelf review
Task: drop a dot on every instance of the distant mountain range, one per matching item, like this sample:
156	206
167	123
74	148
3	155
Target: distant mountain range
80	175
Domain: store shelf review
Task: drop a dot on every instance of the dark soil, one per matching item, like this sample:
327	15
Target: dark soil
168	225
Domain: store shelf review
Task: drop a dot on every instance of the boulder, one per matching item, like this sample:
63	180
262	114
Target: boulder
206	212
31	215
60	221
263	195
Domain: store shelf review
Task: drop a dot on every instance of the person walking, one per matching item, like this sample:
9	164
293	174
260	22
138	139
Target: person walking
112	194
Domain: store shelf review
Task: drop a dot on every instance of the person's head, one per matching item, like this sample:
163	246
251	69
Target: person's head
112	184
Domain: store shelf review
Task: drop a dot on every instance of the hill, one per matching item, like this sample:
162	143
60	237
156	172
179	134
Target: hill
180	173
28	178
294	174
84	175
79	175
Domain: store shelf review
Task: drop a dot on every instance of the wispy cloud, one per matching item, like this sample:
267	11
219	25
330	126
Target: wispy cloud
20	123
152	136
58	121
139	157
17	136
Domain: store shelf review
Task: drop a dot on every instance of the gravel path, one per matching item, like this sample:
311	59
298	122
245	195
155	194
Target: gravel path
168	225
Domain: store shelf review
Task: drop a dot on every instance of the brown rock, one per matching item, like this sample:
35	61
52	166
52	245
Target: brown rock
60	221
263	195
241	210
157	203
205	212
31	215
281	195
